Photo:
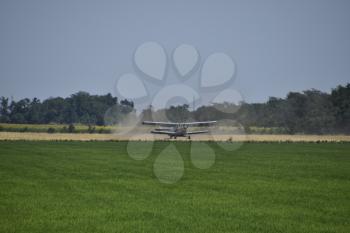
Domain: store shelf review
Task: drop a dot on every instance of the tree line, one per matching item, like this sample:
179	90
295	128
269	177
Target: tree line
80	107
310	111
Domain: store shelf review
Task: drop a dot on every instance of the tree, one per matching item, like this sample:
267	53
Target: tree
340	98
35	112
19	111
80	107
4	110
178	113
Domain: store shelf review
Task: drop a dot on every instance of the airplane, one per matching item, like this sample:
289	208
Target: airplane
178	129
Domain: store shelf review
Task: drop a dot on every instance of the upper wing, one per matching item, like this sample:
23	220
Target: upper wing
170	124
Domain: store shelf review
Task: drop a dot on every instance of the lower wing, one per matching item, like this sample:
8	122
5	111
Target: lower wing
198	132
172	124
162	132
160	123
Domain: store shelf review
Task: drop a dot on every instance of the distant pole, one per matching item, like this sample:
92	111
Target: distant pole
193	103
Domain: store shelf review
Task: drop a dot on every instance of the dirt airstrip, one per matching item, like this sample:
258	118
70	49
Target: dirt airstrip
150	137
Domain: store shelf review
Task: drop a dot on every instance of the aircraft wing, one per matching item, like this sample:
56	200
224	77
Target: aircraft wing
162	132
160	123
172	132
171	124
198	132
199	123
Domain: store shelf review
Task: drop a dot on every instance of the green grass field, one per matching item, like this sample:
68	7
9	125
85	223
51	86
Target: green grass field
97	187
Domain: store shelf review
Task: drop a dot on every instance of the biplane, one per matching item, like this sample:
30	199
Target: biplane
178	129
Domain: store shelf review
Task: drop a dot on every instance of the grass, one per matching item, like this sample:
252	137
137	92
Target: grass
97	187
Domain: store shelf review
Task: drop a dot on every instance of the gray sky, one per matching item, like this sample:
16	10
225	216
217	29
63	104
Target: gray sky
56	48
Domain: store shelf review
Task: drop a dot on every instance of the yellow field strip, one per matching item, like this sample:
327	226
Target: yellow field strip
150	137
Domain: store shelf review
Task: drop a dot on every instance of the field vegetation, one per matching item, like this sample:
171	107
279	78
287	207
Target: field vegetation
96	187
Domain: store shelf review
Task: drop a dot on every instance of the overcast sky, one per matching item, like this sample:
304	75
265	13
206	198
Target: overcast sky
56	48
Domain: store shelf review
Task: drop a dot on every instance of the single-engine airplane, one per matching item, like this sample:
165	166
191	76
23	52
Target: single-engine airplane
175	129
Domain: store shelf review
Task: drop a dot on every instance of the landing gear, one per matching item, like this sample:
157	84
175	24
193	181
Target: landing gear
189	137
